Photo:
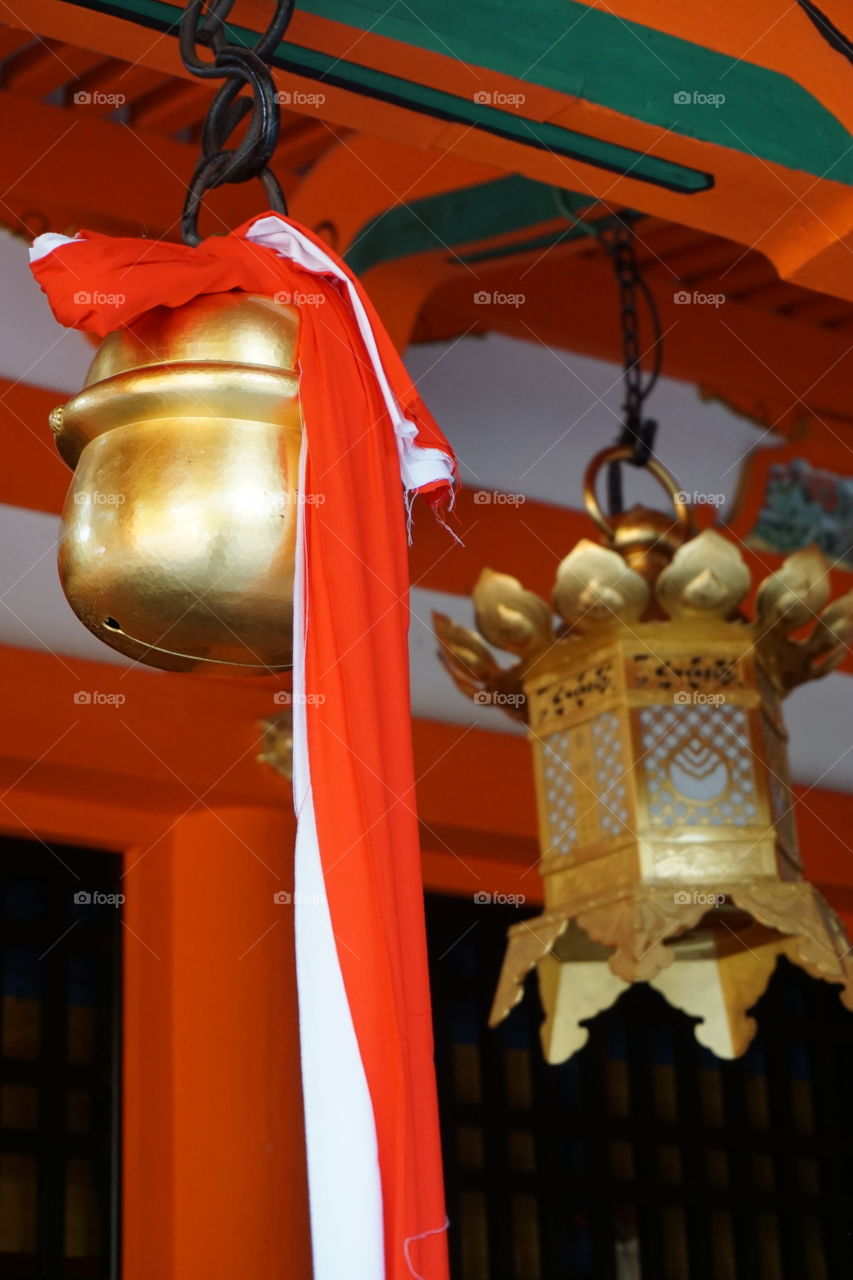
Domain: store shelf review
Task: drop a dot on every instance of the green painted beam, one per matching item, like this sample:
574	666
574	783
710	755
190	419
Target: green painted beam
643	73
513	125
465	216
452	219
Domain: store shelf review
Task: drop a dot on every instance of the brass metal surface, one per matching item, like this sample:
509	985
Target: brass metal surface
668	846
277	743
179	529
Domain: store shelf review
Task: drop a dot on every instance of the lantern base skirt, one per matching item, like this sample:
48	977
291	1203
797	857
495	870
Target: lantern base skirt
709	954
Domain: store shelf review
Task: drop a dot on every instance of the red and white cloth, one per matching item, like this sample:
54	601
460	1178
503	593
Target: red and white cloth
374	1159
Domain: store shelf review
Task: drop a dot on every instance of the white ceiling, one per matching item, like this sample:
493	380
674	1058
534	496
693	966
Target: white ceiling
526	419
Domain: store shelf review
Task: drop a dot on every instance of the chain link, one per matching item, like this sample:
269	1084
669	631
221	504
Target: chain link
638	433
203	28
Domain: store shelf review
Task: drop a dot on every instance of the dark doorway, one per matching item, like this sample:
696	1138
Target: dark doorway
643	1157
60	938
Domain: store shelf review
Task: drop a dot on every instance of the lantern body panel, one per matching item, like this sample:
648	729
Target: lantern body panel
179	530
654	762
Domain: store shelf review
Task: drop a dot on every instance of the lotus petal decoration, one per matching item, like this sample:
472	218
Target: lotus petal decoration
792	662
468	661
796	592
835	627
509	616
595	585
706	579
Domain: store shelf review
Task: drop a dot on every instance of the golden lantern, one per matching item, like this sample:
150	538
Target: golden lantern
178	534
668	846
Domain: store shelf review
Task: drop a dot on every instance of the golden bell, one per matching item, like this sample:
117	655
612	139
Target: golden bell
179	529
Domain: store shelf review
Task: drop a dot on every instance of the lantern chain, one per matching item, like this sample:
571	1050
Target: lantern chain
203	28
615	234
638	432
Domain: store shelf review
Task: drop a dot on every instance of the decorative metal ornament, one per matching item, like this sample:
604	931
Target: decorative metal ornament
669	849
277	744
179	529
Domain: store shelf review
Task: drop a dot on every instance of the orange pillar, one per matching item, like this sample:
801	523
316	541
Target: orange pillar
214	1159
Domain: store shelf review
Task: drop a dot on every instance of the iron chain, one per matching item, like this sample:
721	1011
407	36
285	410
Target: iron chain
203	27
638	433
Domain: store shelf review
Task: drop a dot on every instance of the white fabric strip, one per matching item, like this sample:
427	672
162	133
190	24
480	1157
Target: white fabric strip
344	1186
45	244
418	466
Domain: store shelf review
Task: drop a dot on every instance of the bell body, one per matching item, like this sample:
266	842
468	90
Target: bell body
179	530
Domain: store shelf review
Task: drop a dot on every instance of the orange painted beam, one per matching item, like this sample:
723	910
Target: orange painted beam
801	224
12	40
732	347
170	107
113	178
112	77
33	474
795	220
47	65
68	722
176	743
376	174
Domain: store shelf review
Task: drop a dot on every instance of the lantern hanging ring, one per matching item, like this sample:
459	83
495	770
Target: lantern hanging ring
623	453
203	25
